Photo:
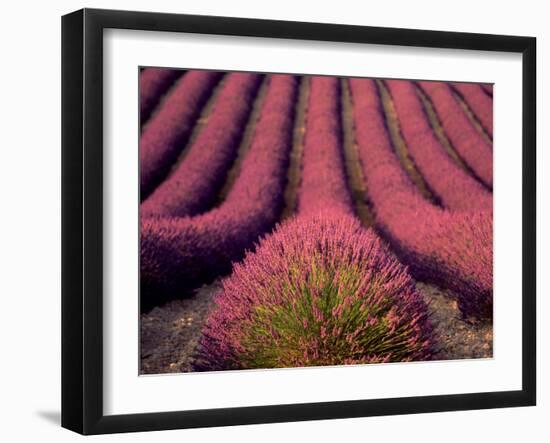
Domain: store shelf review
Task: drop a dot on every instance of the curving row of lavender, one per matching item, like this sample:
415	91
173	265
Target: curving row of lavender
193	186
323	181
454	187
451	249
153	84
321	289
465	138
479	102
178	253
165	134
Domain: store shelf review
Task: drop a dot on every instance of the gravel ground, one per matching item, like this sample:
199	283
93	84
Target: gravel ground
458	338
170	333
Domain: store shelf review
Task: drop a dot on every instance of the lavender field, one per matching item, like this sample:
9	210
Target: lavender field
293	221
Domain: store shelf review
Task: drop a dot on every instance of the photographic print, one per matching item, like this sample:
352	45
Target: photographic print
272	224
290	221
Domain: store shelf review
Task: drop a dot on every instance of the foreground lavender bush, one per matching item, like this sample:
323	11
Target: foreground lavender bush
451	249
480	103
320	290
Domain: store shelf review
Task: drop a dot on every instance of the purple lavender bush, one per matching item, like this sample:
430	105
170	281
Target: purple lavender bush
320	290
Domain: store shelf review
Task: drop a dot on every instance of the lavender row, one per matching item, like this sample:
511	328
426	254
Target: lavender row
465	138
321	289
153	84
178	253
165	134
323	180
455	188
479	102
451	249
195	183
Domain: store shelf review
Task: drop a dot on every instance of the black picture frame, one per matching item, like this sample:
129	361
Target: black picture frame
82	220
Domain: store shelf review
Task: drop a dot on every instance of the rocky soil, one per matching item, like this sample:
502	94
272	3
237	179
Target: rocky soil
170	333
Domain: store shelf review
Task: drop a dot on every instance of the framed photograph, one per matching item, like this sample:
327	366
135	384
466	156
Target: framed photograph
269	221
